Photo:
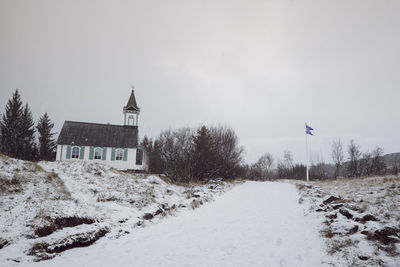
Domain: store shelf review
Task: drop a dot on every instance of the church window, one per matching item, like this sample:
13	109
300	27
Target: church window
131	120
119	154
97	153
75	152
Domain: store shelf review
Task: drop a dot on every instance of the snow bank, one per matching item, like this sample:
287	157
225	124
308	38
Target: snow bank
52	206
361	219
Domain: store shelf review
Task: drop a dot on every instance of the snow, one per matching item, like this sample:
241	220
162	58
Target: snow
374	196
34	196
236	224
254	224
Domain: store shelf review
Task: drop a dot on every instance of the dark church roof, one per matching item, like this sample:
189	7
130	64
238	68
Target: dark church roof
131	105
95	134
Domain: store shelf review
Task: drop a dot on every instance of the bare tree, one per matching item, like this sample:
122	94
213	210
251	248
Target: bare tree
354	154
286	166
199	154
265	162
365	164
318	169
378	165
337	155
262	169
176	147
288	159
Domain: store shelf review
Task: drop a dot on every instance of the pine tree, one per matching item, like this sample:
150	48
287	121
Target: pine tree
203	154
155	159
28	148
10	125
47	144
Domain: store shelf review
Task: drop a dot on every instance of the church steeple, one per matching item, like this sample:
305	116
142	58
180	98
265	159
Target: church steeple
131	111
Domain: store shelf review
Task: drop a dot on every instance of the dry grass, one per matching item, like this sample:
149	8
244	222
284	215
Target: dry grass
339	245
374	204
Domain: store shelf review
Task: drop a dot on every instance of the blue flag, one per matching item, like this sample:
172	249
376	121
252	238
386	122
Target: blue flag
309	129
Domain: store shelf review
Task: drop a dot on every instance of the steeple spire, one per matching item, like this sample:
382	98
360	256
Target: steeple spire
131	111
131	105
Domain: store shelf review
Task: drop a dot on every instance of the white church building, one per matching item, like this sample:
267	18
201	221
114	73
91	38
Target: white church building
114	145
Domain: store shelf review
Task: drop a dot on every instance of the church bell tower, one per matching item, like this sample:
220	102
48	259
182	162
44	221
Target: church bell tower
131	111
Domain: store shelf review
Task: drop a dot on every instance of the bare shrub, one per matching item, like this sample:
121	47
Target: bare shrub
337	155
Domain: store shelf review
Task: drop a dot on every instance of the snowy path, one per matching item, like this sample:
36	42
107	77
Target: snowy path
255	224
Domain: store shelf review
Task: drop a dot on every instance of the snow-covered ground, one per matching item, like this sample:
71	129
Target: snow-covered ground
361	219
254	224
77	213
50	207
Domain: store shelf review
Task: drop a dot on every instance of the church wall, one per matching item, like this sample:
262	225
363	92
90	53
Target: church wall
130	163
58	153
87	151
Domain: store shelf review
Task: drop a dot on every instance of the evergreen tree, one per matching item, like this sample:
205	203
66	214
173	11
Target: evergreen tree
155	159
28	148
203	154
10	125
47	144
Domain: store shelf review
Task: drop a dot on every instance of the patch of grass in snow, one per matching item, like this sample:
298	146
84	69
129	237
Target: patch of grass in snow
10	186
338	245
365	209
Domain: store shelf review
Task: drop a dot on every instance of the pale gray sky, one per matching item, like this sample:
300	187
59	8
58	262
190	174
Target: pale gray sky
262	67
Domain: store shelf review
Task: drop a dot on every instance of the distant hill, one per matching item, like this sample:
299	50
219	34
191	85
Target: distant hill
391	158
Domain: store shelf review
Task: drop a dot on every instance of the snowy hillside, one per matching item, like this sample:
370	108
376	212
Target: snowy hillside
50	207
254	224
361	219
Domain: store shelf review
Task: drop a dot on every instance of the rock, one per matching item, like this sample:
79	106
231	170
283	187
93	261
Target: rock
364	232
196	195
331	216
353	230
3	243
385	235
42	249
330	199
159	211
368	217
346	213
355	208
363	258
335	207
148	216
320	210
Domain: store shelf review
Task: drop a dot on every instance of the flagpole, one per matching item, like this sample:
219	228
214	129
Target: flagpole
306	155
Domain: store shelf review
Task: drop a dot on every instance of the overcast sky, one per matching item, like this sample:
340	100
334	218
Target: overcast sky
262	67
